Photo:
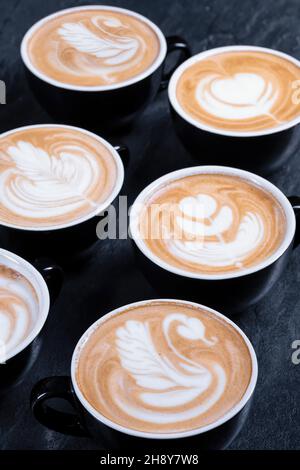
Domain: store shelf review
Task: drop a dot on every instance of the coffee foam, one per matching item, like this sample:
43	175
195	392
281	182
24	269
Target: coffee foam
18	310
93	47
240	90
51	176
211	224
164	367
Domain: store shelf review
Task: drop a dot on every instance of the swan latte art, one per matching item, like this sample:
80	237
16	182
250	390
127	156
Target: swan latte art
19	309
211	224
240	91
164	367
93	47
52	176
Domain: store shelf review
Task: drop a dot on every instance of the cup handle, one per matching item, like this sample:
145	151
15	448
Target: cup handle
56	420
52	274
174	43
124	153
295	202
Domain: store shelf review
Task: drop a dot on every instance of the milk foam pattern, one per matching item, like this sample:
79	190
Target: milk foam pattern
93	47
242	96
249	234
163	367
211	223
115	52
239	90
166	384
52	178
18	309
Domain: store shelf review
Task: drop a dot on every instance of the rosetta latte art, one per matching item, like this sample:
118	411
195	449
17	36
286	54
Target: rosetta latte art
239	90
94	47
52	175
161	368
18	309
212	224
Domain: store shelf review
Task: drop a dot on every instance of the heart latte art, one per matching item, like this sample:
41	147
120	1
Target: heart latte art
240	90
52	176
93	47
18	309
211	224
164	367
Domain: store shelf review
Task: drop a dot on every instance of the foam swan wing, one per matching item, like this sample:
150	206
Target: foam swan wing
151	370
114	52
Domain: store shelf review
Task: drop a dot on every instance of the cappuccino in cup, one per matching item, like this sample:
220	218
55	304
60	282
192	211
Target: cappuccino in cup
164	368
53	176
238	90
18	308
210	223
93	46
24	304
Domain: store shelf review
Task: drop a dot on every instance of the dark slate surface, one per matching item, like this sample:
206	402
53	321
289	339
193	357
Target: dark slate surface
107	276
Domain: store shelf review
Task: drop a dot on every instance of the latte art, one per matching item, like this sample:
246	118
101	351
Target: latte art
18	309
164	367
93	47
211	223
52	175
239	90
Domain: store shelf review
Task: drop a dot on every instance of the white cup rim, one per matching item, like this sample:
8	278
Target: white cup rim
151	435
204	54
102	207
22	266
252	178
158	61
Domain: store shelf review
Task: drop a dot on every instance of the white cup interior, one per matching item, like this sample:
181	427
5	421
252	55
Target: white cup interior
204	55
98	210
150	435
18	264
252	178
158	61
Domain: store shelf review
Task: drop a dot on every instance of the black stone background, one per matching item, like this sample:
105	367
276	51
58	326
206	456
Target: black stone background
108	277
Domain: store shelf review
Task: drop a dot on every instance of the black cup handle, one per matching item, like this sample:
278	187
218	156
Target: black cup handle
56	420
124	153
175	43
53	275
295	202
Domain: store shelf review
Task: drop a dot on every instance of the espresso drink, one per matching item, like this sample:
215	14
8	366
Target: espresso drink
212	224
18	309
51	176
164	367
93	47
240	91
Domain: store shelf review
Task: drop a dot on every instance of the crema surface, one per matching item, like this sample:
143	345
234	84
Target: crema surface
93	47
164	367
18	309
51	176
212	224
240	91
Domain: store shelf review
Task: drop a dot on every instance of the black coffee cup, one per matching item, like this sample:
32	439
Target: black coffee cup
231	292
102	107
46	279
262	152
85	421
61	241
